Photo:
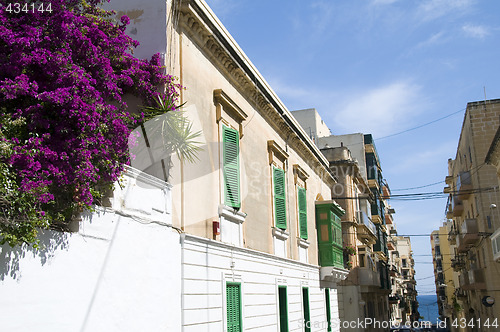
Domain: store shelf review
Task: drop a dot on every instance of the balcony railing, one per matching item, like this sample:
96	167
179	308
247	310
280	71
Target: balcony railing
457	263
366	222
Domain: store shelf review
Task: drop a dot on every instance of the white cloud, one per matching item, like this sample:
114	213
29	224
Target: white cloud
475	31
433	9
380	111
435	39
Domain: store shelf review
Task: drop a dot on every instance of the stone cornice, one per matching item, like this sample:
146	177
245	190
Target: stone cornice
200	24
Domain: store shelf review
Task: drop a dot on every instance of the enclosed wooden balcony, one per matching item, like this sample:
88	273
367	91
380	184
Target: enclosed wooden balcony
469	235
458	206
476	280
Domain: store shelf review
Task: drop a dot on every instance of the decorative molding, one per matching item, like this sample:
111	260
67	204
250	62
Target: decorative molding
332	274
276	151
299	173
222	100
218	48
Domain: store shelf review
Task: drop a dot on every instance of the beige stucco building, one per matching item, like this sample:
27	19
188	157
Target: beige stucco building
261	247
472	205
378	285
446	278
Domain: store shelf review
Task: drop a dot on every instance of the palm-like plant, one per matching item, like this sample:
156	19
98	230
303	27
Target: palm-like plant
167	121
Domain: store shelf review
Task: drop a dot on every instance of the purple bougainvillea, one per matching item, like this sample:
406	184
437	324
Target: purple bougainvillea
64	127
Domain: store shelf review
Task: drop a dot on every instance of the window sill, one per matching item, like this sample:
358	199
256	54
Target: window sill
303	243
231	214
280	234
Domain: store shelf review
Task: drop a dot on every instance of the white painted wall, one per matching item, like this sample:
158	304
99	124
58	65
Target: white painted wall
119	272
208	265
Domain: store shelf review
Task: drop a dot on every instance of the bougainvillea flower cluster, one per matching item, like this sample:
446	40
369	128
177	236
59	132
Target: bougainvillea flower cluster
64	125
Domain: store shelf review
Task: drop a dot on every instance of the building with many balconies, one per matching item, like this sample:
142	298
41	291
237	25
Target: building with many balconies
473	192
370	249
446	279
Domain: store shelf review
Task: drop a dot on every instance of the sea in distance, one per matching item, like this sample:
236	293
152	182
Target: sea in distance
428	308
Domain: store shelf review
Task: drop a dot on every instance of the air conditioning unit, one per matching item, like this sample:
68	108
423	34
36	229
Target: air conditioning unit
495	244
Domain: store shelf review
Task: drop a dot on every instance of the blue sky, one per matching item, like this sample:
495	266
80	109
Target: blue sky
380	67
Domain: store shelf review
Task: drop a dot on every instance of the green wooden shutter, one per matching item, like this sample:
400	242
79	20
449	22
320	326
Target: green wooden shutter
302	213
231	168
307	311
233	303
328	310
279	198
283	308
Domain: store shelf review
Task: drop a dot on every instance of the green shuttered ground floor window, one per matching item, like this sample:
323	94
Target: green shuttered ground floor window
233	304
328	310
283	308
307	311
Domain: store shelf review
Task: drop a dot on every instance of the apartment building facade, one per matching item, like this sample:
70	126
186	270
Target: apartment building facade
368	227
446	268
472	207
246	238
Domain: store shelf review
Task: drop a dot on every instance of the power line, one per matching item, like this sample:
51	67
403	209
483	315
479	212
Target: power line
423	125
422	196
472	170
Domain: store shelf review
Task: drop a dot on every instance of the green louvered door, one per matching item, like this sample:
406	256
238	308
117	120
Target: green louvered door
233	303
307	310
283	308
231	168
302	212
328	310
279	198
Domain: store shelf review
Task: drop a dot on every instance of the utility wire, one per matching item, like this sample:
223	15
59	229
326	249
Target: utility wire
472	170
422	196
423	125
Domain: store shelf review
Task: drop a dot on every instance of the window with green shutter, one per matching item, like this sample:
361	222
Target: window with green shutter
283	308
233	304
307	311
302	212
279	198
231	166
328	310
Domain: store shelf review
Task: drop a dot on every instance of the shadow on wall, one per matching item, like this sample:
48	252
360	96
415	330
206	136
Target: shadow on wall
10	257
